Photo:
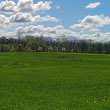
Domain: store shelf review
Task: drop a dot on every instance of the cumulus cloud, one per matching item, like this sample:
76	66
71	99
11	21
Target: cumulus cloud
92	23
55	32
7	34
28	6
4	20
21	17
40	30
49	18
93	5
25	18
10	7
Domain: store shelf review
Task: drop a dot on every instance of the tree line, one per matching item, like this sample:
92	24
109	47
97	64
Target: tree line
41	44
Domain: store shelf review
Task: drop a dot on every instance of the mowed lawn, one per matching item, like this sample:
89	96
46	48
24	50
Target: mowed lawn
54	81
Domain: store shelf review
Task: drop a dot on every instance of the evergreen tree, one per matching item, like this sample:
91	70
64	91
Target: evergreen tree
89	47
76	48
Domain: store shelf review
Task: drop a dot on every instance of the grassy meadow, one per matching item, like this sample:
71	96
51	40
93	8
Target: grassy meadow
54	81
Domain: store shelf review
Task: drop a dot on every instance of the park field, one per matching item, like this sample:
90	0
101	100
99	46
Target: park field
54	81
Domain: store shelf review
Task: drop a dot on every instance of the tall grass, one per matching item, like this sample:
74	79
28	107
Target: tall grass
54	81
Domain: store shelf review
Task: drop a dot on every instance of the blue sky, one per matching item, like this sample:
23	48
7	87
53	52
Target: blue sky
73	19
71	11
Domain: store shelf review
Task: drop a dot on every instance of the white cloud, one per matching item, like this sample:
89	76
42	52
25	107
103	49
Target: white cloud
28	6
21	17
4	20
92	23
10	7
49	18
59	32
7	34
93	5
57	7
54	32
7	7
24	18
23	14
27	17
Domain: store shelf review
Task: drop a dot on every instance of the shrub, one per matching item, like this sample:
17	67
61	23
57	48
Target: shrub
40	49
63	49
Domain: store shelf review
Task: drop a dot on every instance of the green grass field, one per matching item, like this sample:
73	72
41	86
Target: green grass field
54	81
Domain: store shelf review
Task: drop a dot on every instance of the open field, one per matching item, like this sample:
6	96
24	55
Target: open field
54	81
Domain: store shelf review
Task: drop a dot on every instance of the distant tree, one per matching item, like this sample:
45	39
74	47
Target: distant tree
31	43
107	47
89	47
20	48
50	49
40	49
28	49
72	50
76	48
100	48
12	49
65	43
3	40
0	47
5	48
83	45
63	49
56	49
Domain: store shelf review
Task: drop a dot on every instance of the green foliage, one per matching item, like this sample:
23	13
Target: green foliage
89	47
76	48
31	43
5	48
27	49
40	49
50	49
12	49
63	49
20	48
